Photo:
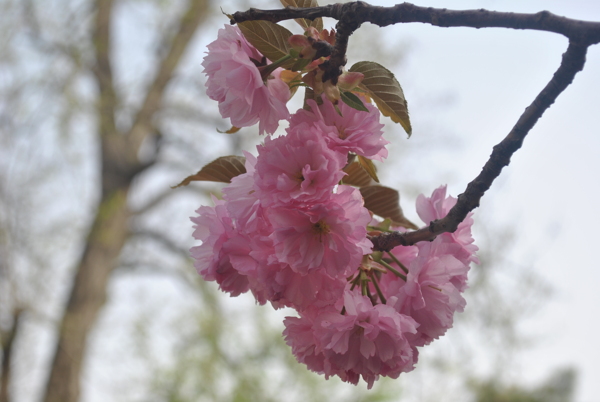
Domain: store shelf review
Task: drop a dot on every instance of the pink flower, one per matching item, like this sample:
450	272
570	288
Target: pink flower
329	236
300	336
366	341
437	207
428	295
215	229
242	204
235	81
297	168
460	243
355	131
291	289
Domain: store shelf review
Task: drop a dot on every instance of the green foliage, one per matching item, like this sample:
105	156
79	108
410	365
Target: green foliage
381	84
558	387
353	101
236	353
270	39
304	23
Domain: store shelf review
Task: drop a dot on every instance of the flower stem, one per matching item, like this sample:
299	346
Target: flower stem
354	281
397	261
268	69
393	270
377	288
364	283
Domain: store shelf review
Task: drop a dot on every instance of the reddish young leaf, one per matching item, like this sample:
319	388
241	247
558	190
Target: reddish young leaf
369	167
270	39
304	23
385	202
357	176
385	90
232	130
220	170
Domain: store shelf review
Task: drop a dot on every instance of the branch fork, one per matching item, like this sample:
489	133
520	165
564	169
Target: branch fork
350	16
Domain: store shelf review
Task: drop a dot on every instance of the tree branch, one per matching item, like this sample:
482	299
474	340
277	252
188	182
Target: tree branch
142	125
163	240
572	62
352	15
103	68
167	194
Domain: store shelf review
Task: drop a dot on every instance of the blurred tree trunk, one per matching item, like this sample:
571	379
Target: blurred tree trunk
110	228
7	338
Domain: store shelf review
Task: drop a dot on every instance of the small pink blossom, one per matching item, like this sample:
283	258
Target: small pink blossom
215	229
241	200
366	341
297	168
460	243
355	131
235	81
316	289
329	236
428	295
299	335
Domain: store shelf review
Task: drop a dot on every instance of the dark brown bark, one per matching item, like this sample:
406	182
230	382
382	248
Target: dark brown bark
110	229
352	15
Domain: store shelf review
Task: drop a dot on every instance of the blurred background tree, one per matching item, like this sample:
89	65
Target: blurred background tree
102	108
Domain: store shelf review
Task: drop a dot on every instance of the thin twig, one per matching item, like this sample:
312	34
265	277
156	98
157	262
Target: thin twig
143	123
572	62
350	16
581	35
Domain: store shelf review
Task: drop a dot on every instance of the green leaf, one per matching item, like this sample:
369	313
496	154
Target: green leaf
270	39
304	23
385	90
220	170
385	202
369	167
353	101
356	176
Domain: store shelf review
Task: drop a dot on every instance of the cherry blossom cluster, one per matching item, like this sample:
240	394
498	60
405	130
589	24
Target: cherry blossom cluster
289	232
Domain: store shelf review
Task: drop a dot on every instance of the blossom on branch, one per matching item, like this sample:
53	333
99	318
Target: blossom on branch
287	229
366	341
297	168
328	236
235	81
353	131
460	243
428	294
215	229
